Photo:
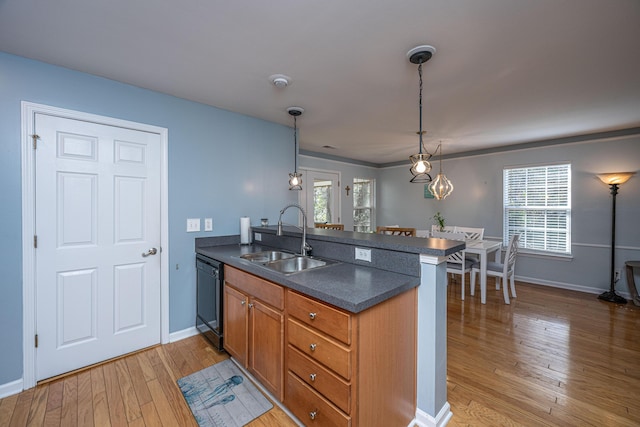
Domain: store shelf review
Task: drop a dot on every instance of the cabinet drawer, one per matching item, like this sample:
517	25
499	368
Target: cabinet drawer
329	320
311	408
265	291
320	348
320	379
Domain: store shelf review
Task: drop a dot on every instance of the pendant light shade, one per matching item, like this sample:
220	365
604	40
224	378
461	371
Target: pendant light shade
440	187
420	165
295	178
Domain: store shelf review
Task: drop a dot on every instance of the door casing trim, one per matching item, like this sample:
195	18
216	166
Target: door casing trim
28	112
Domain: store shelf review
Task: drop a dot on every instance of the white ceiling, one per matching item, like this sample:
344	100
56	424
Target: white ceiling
505	71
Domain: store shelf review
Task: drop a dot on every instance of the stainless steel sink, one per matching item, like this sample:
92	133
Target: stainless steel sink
266	256
285	262
296	264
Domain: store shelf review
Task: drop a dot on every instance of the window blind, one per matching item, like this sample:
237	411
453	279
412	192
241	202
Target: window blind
537	205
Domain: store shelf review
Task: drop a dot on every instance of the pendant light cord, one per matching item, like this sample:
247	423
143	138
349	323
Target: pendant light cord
295	144
420	103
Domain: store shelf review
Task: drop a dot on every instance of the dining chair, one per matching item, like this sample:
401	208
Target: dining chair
503	272
329	226
396	231
471	233
457	263
447	228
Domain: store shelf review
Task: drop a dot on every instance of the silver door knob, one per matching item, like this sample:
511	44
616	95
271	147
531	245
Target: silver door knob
151	251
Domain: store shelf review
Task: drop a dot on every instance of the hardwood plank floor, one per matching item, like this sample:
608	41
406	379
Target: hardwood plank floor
552	357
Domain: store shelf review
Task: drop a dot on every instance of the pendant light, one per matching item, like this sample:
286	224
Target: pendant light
420	166
295	178
440	187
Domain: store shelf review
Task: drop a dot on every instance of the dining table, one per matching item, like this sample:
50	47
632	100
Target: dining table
484	248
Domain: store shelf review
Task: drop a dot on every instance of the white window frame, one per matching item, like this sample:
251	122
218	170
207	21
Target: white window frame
372	202
546	195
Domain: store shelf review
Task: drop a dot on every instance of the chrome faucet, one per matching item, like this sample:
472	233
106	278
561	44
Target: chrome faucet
305	248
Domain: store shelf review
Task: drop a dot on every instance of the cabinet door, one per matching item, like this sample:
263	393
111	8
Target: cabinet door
236	324
267	346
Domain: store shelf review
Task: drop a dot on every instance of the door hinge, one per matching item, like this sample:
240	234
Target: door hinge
36	340
35	241
35	137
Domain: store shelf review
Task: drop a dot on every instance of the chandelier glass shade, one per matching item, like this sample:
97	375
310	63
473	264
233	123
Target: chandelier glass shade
440	187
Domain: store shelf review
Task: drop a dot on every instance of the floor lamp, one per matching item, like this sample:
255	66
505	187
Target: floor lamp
613	180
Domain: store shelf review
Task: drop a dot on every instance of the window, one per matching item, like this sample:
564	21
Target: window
322	201
537	205
363	204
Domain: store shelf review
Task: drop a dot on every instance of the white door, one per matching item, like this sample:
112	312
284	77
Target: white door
321	198
97	221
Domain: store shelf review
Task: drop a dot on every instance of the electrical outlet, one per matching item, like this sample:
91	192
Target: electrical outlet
208	224
193	224
257	237
363	254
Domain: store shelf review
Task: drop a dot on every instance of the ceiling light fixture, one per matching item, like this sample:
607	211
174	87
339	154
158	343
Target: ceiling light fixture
420	166
440	187
295	178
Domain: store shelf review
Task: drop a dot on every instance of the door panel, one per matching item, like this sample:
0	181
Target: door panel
97	203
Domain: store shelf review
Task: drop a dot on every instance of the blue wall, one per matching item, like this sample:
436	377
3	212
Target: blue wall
206	176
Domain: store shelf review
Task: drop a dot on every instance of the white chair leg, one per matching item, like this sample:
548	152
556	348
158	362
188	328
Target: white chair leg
513	286
462	281
505	292
472	286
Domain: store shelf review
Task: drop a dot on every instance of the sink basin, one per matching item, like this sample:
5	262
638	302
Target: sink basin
266	256
296	264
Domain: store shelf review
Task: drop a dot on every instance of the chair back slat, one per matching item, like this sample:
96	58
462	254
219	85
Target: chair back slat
329	226
512	253
471	233
396	231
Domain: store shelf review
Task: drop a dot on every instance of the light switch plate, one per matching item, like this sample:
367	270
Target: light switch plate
363	254
193	224
208	224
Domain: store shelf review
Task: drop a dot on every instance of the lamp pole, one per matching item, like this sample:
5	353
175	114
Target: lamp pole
611	295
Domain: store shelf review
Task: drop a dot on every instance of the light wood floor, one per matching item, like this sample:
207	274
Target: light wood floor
552	357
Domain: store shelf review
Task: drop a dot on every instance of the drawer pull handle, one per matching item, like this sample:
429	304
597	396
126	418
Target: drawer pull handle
312	347
312	377
313	414
312	316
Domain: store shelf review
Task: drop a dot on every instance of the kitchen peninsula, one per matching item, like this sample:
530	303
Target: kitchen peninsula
387	322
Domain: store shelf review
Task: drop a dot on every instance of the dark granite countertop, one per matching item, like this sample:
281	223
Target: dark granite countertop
349	286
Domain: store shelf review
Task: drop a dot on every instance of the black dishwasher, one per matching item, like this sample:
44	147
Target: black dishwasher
209	299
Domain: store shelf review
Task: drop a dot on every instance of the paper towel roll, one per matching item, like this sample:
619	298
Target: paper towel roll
245	230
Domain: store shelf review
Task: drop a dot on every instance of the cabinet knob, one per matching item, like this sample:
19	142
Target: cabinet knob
313	414
243	302
312	347
312	377
312	316
251	305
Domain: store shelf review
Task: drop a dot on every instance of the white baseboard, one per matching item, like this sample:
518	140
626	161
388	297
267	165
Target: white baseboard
185	333
8	389
442	419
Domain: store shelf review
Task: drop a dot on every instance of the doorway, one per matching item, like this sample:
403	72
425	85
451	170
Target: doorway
94	229
321	196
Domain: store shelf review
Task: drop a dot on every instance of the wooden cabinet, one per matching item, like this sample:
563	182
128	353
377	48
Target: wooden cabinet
346	369
254	326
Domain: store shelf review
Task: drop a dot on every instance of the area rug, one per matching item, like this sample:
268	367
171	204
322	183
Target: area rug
222	396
